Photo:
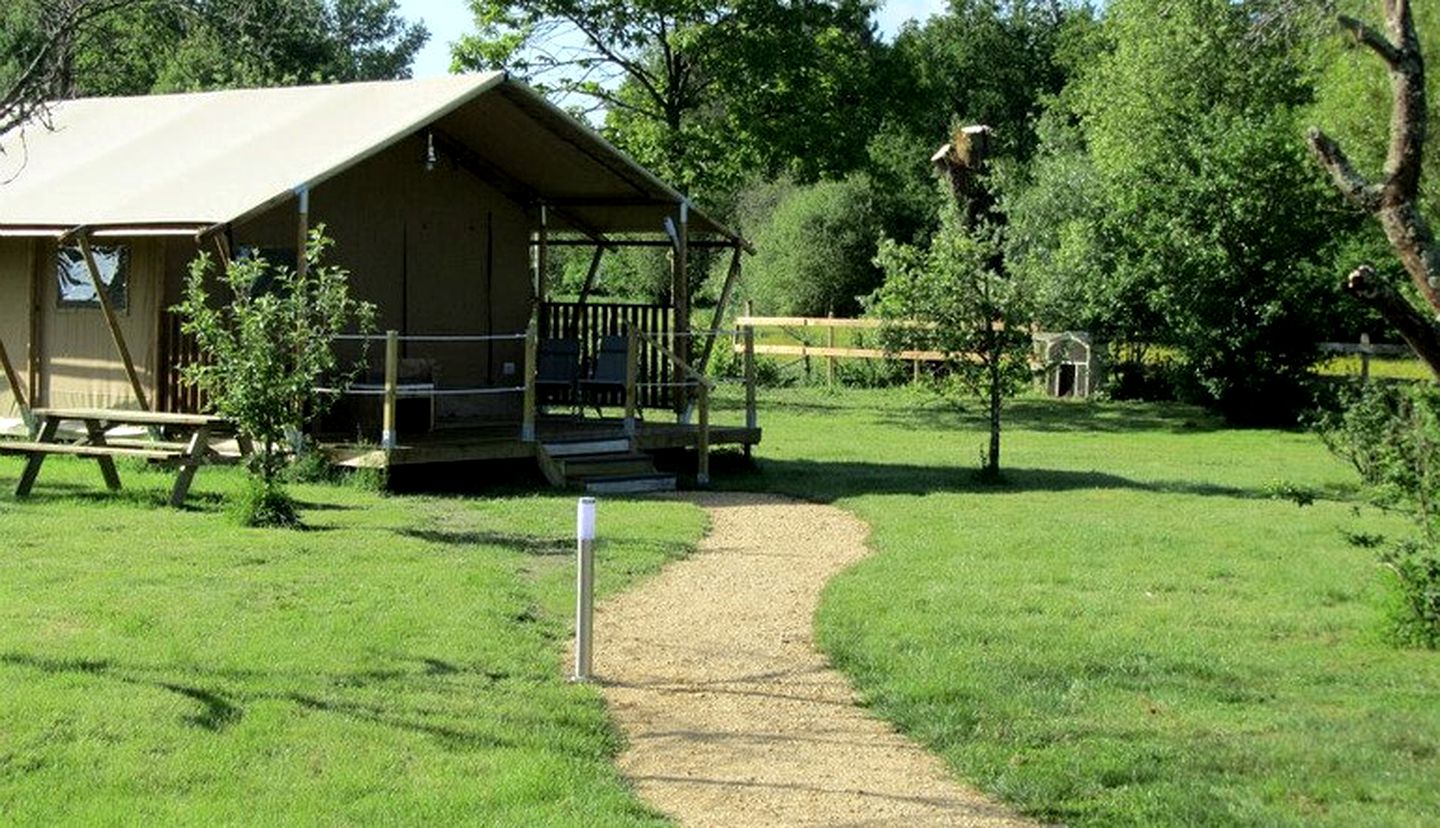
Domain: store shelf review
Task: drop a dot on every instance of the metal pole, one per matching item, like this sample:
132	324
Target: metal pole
584	588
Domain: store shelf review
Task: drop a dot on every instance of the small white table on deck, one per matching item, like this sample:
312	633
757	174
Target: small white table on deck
196	447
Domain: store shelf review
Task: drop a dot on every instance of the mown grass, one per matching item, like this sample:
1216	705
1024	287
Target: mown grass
399	662
1407	368
1137	628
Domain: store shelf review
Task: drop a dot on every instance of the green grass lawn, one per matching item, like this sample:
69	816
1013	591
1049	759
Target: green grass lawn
401	662
1407	368
1134	630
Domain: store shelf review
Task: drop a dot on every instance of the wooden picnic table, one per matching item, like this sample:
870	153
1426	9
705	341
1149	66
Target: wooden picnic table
195	447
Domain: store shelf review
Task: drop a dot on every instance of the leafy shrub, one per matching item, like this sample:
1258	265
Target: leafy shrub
815	254
271	346
1414	613
1390	433
264	503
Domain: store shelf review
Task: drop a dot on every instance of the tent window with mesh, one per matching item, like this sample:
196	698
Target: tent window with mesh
77	289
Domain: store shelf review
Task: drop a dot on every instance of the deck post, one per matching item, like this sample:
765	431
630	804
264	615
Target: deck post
632	370
590	276
302	232
702	471
542	257
751	419
392	374
720	307
680	288
830	360
14	379
527	424
103	296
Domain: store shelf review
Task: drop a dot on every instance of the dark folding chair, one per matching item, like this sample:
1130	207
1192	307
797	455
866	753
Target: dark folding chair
607	373
557	370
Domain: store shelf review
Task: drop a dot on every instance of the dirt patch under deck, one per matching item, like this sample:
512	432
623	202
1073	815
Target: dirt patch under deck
733	716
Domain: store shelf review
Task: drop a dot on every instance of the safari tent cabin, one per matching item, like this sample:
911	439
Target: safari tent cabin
443	196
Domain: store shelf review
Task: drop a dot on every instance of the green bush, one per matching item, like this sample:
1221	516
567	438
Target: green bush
264	503
1390	433
1414	612
815	254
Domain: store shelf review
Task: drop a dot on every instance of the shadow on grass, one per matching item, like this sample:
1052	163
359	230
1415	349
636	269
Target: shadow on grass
216	713
537	545
221	708
826	482
1061	416
1028	414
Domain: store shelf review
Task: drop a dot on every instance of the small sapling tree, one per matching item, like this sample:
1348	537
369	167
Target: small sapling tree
952	298
268	348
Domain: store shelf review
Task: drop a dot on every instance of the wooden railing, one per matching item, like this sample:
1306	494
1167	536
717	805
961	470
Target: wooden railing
689	377
178	350
592	320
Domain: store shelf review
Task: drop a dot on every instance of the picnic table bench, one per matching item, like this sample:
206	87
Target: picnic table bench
195	447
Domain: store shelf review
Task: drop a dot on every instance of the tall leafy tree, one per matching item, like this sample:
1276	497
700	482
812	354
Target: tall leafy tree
1208	224
38	41
982	62
147	46
703	92
987	62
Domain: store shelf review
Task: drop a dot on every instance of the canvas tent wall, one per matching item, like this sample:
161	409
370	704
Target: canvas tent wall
431	188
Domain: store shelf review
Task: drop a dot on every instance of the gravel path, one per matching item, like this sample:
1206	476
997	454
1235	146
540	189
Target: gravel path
732	715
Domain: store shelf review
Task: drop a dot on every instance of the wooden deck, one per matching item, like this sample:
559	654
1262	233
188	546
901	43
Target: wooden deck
502	441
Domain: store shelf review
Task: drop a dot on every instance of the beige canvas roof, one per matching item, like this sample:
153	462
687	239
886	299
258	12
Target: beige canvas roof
219	157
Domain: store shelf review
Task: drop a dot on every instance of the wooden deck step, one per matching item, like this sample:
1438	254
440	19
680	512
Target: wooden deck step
585	466
12	447
603	465
631	484
573	448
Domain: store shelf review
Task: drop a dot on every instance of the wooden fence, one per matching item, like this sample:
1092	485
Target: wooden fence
830	352
1366	350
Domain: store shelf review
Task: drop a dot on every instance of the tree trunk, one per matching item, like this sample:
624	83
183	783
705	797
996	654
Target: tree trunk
1395	200
992	466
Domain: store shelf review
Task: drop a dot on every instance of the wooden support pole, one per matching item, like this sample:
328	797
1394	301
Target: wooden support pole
751	417
392	381
632	370
830	360
32	355
731	278
1365	357
594	271
222	250
527	422
302	262
102	293
681	292
13	378
542	258
702	460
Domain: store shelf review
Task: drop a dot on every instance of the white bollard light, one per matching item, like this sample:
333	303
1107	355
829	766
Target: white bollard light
584	587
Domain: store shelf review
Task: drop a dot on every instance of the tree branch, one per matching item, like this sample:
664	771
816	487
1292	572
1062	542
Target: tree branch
1395	202
1419	331
1350	182
1374	40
